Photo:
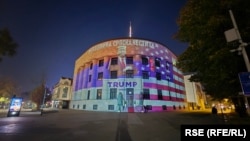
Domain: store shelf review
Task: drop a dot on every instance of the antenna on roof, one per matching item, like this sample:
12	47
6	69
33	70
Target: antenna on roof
130	30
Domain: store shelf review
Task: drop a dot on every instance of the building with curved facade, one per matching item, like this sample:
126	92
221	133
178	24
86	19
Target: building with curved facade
127	74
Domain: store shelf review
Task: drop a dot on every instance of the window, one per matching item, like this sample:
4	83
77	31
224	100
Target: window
144	61
130	95
158	75
88	94
159	92
89	78
101	62
129	91
91	66
170	97
129	73
114	61
84	106
99	94
146	94
113	74
95	107
113	93
58	92
65	92
164	107
157	62
145	75
167	65
129	60
168	78
149	107
111	107
100	76
169	88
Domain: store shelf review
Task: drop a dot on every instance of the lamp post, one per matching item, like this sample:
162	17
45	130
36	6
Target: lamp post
232	35
44	95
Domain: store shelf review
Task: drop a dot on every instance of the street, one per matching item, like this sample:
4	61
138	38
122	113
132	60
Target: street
65	125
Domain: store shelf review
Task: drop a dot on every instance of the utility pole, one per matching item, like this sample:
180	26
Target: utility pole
232	35
44	96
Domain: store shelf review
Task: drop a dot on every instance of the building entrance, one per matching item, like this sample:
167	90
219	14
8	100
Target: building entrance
130	99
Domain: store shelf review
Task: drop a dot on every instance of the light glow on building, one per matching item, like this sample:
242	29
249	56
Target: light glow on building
126	74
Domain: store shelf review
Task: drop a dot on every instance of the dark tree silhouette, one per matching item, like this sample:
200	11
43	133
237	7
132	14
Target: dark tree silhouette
7	45
202	24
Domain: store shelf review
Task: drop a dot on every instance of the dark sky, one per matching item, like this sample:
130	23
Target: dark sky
52	34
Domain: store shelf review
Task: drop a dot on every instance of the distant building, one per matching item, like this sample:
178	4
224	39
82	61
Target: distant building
126	74
62	93
196	97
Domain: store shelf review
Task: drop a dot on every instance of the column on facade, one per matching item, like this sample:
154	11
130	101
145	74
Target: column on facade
138	64
76	79
106	72
80	77
138	74
94	73
85	75
106	69
152	67
78	83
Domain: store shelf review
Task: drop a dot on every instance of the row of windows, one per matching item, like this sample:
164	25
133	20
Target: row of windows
64	93
129	60
129	74
112	107
95	107
113	94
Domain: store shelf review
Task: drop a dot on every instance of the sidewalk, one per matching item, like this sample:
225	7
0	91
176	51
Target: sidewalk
228	116
234	118
30	110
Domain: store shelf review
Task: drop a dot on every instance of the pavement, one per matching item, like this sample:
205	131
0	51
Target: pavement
65	125
224	117
227	116
30	111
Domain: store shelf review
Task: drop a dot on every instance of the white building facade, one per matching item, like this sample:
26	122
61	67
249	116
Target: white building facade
196	97
126	74
62	93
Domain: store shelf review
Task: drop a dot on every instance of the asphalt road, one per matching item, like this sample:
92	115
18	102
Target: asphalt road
73	125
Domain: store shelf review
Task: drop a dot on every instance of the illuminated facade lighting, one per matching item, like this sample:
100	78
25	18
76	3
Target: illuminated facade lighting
125	75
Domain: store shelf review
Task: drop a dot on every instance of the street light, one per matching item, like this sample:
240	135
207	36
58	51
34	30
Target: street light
232	35
44	95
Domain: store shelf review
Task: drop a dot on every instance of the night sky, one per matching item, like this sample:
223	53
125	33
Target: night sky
52	34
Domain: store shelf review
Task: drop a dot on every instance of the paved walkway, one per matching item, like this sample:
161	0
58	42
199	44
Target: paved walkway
79	125
228	116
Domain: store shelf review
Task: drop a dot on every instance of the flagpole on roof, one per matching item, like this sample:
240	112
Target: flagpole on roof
130	30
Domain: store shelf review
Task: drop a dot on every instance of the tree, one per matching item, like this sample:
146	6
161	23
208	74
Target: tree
7	45
37	94
202	24
8	87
